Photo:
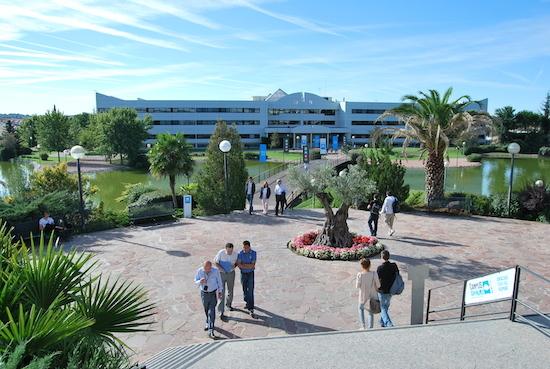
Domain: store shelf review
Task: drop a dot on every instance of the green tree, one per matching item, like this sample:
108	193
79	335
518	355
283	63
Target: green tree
79	123
352	186
53	132
545	122
170	157
506	119
53	178
27	131
435	120
275	141
388	175
528	121
9	146
211	196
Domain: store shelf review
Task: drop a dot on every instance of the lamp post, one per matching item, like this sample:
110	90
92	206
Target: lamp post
77	152
297	140
513	149
353	141
225	147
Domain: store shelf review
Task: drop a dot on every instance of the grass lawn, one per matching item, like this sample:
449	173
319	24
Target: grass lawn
414	153
278	155
52	158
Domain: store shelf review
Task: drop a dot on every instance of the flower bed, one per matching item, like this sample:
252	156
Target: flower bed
363	246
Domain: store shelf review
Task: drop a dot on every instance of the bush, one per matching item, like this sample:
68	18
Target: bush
314	154
52	179
484	149
416	199
101	219
24	150
44	156
544	151
480	205
58	203
476	158
132	192
140	161
248	155
500	206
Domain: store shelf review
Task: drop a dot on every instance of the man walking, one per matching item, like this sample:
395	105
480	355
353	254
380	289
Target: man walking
226	260
374	207
280	197
388	208
209	281
386	274
250	190
246	261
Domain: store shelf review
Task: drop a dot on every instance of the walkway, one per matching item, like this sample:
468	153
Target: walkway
296	294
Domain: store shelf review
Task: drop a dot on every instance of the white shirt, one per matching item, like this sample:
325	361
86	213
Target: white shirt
387	206
226	261
279	189
249	188
43	222
263	192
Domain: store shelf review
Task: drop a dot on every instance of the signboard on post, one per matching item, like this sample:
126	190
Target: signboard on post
285	144
316	141
187	206
305	154
492	287
323	146
263	152
335	142
304	140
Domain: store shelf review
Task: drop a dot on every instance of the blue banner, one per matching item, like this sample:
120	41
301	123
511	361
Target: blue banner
335	142
316	141
263	152
323	146
304	140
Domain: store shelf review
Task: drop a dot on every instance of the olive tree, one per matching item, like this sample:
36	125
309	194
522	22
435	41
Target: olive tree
351	185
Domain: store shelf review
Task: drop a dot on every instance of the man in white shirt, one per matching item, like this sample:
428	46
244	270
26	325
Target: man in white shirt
387	209
46	223
280	197
209	281
226	260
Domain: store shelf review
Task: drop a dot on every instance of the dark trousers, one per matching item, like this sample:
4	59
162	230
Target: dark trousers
250	199
247	280
373	223
279	201
209	301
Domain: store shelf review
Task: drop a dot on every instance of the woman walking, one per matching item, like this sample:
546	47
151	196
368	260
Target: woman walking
368	284
265	192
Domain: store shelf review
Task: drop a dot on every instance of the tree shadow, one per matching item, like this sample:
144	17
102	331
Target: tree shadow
425	242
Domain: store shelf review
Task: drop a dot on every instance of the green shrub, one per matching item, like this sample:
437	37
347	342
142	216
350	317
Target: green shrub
101	219
483	149
480	205
416	199
544	151
248	155
500	205
132	192
314	154
53	178
58	203
474	158
44	156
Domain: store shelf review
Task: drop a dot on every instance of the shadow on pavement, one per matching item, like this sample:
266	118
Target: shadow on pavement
424	242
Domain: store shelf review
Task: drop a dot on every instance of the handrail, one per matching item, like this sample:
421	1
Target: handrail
535	274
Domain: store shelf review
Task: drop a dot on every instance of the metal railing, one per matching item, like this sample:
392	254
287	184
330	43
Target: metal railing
512	312
277	169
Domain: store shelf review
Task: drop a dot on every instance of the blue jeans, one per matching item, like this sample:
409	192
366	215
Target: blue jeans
385	320
250	199
362	317
247	280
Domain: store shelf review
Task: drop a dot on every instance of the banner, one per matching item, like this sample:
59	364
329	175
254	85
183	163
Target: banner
305	153
304	140
285	144
263	152
323	146
335	142
492	287
316	141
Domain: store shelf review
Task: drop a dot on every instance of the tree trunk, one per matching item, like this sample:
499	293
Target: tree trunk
58	157
335	231
172	180
435	177
121	161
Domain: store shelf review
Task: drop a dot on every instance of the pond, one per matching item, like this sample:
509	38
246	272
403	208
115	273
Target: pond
489	178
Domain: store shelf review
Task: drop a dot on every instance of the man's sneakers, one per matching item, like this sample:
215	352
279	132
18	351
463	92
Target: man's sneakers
206	327
223	318
391	233
211	334
231	308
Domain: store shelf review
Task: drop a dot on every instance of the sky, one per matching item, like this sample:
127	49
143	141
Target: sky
63	51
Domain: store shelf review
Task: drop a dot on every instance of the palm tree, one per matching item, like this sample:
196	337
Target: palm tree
170	157
434	120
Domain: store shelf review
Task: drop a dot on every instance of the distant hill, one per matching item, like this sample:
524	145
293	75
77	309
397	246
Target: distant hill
14	116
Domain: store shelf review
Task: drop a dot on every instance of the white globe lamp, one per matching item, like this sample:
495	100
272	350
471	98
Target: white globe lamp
225	146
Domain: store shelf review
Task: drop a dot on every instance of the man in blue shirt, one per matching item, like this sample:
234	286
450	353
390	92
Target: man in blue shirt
210	283
246	261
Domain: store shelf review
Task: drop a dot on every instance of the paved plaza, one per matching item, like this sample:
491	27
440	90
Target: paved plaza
295	294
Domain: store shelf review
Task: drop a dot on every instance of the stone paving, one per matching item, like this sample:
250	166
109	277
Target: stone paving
295	294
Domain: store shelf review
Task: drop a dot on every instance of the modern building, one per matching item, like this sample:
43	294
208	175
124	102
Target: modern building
302	117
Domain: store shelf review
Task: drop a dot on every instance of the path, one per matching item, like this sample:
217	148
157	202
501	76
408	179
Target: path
295	294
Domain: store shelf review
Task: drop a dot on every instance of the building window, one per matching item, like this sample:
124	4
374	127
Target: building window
363	123
319	122
203	137
368	111
283	122
250	136
183	110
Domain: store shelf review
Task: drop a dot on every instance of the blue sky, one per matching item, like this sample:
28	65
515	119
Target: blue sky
62	51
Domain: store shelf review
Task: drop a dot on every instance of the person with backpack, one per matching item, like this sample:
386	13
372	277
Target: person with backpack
374	207
389	208
387	274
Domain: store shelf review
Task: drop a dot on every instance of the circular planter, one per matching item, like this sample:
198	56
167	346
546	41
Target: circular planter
363	247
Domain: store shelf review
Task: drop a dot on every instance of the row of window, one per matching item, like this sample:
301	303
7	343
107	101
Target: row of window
297	122
204	122
302	111
198	110
367	111
374	123
206	136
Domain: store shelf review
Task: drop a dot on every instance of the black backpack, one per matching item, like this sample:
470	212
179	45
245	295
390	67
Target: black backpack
395	206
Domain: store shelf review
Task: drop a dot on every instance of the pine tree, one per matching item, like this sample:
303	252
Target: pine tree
211	196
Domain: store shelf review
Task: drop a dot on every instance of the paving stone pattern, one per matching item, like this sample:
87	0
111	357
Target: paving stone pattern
295	294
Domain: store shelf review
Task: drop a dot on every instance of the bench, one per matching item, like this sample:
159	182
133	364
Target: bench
28	229
153	211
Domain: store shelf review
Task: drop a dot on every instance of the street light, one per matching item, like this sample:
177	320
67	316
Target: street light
539	183
513	149
353	141
297	140
77	152
225	147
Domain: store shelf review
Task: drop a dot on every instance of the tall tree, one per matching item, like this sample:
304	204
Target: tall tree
545	121
275	141
53	132
434	120
212	197
27	131
528	121
506	119
352	186
170	157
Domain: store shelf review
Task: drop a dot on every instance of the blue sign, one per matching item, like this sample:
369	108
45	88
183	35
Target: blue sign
263	152
335	142
316	141
323	146
187	199
304	140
